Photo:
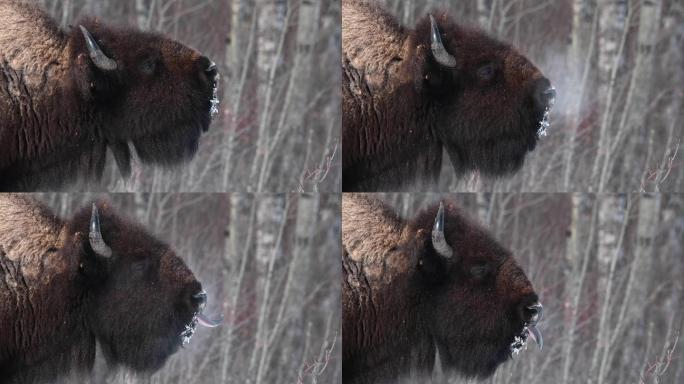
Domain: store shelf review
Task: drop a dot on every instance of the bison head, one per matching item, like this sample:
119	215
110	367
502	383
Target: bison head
145	89
473	299
142	302
491	103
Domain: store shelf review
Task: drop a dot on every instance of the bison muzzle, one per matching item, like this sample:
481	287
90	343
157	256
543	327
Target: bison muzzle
434	285
66	96
409	94
66	286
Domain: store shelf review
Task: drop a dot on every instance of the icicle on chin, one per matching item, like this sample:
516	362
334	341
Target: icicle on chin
214	111
189	330
544	124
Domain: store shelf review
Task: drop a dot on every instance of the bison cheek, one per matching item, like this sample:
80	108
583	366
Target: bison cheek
168	148
144	354
494	148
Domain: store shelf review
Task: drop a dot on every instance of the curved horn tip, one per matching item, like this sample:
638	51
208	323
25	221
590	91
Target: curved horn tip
97	243
95	52
438	241
440	215
94	219
434	36
438	51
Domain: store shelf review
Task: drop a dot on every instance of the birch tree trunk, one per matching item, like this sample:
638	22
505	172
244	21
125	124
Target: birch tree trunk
613	220
270	37
580	59
270	228
578	248
640	93
141	12
297	95
612	38
483	13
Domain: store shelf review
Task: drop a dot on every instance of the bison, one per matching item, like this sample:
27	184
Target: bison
68	95
409	93
97	278
436	283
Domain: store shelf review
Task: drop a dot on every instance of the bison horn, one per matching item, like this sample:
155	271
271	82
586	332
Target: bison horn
438	51
438	240
99	58
95	236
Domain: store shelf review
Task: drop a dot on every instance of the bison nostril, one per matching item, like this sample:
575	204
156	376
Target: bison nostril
550	95
533	313
200	298
544	94
207	66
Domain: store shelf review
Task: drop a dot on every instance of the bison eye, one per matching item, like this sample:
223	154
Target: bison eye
486	72
139	267
148	66
479	271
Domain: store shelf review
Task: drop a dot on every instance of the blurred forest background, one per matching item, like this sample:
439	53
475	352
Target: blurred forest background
608	270
618	69
279	61
266	262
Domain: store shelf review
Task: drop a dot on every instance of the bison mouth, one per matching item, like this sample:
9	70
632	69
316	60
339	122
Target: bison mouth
214	102
542	117
529	331
544	124
197	318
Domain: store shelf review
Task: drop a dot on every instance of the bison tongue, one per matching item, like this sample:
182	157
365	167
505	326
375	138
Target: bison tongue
207	322
536	335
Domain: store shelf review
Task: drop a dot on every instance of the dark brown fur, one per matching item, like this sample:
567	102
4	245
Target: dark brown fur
57	299
401	108
401	302
59	113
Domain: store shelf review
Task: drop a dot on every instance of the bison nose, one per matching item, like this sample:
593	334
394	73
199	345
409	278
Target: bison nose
200	298
544	94
208	67
193	296
534	313
530	310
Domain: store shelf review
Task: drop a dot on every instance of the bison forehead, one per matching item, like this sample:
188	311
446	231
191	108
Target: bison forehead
518	70
173	267
180	57
512	281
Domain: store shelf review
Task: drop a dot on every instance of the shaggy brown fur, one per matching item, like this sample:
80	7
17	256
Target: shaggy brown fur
59	113
401	108
57	298
401	302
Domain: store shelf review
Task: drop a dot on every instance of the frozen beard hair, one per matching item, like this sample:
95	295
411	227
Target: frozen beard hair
198	318
213	111
544	123
530	330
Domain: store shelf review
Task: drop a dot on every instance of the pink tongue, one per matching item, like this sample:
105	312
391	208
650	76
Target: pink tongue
205	321
536	336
